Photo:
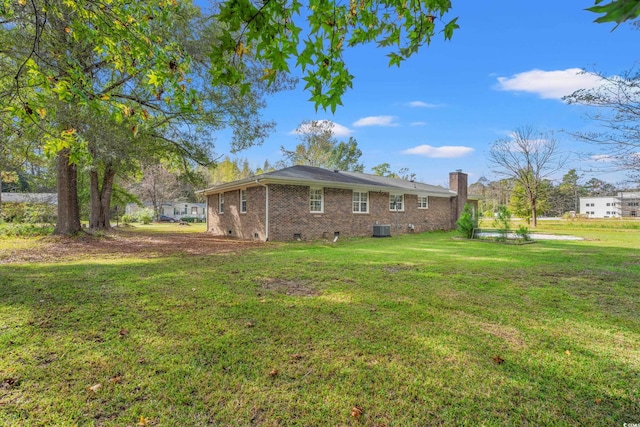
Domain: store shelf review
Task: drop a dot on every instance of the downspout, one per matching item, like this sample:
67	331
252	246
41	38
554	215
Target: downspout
266	209
206	213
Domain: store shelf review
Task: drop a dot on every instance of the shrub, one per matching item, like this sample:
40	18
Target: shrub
503	222
523	233
32	213
467	221
146	216
190	219
128	218
24	230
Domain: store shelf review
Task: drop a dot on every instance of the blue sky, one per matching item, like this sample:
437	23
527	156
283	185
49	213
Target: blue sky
506	67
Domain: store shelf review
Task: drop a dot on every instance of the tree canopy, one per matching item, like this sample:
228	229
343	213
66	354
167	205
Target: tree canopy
617	11
318	147
131	64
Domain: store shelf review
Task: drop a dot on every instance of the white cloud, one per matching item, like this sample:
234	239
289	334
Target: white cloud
444	152
602	158
421	104
337	129
550	84
418	123
375	121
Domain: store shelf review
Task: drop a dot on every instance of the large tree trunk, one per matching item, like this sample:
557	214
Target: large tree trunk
67	185
100	218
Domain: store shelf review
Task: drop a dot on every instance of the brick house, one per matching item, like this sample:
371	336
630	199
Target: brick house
306	203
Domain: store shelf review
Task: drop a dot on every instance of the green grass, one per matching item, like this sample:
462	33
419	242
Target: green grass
411	329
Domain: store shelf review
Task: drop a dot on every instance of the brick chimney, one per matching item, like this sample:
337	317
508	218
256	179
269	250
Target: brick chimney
458	183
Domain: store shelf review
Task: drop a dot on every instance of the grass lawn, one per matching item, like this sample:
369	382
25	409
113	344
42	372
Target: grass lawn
413	330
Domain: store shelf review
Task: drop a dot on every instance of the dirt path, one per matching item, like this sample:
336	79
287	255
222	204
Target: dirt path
123	244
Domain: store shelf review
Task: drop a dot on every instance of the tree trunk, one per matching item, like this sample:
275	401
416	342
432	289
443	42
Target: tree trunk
68	222
534	215
100	217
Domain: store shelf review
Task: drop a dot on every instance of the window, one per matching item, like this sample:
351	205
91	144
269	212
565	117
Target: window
316	200
423	202
243	201
221	203
396	202
608	204
360	202
633	213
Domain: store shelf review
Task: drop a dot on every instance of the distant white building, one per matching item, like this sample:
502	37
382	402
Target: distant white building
173	210
624	204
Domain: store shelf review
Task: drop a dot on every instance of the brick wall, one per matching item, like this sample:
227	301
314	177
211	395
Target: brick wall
289	214
233	223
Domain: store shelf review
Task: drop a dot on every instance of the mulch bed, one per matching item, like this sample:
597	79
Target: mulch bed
125	243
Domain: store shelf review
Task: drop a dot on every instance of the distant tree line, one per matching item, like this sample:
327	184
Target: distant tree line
555	198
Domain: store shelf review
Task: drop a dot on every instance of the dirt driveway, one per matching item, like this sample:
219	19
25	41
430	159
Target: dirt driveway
122	244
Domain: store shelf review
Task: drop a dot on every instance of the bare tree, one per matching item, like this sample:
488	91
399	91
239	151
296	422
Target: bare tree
616	107
158	185
529	157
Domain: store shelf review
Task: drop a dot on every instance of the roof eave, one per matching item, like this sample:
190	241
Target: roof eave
236	185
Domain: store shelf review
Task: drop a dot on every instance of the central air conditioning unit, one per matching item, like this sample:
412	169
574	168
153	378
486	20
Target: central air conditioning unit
382	230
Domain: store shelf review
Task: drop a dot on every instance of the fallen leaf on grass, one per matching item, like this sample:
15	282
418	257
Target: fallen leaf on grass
273	373
297	356
115	379
598	401
356	411
8	383
123	332
95	388
567	352
143	421
498	360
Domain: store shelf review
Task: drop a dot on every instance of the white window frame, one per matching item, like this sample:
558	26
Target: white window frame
312	191
243	200
393	200
422	199
221	203
359	201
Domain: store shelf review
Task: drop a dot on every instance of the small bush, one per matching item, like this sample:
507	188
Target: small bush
31	213
146	216
523	233
467	221
25	230
128	218
190	219
503	222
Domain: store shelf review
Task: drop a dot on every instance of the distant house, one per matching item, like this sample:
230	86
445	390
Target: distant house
304	202
624	204
174	210
45	198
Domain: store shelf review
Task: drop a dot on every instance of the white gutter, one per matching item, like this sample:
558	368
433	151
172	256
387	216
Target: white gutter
266	209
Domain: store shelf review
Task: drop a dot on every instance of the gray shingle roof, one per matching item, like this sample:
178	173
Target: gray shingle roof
50	198
309	175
